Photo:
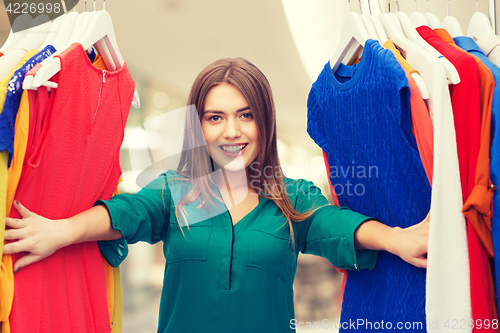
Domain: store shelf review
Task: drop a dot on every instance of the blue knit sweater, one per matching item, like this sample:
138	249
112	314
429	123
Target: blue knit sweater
360	116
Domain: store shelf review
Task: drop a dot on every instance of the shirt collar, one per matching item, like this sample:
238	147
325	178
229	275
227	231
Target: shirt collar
467	43
444	35
426	32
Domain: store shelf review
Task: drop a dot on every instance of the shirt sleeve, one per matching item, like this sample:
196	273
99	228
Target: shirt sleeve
329	231
139	217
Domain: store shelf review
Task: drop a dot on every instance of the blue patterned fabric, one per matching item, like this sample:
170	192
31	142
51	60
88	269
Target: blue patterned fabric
469	45
13	99
360	116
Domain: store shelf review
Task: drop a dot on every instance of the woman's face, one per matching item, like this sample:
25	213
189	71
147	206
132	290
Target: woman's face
229	126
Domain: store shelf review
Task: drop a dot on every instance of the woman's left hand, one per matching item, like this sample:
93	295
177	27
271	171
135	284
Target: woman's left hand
411	243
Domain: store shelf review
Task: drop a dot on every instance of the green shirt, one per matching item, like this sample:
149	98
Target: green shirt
224	278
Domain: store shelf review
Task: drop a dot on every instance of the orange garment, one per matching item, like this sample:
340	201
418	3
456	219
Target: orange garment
21	128
113	283
421	125
402	61
478	205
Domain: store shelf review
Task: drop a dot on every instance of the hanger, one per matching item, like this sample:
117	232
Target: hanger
86	16
80	25
452	25
479	25
36	34
59	41
432	18
396	36
368	23
100	33
67	34
54	29
34	38
418	19
391	26
65	31
22	21
374	16
352	39
412	34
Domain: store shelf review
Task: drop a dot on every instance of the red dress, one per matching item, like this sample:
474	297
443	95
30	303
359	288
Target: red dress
73	162
466	102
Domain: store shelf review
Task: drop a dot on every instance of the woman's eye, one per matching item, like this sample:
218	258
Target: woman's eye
215	118
247	115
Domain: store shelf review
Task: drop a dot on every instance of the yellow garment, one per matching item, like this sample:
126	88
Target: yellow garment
6	279
21	129
402	61
4	82
113	287
113	284
6	274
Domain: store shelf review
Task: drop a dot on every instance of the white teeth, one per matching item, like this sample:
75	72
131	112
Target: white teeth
232	149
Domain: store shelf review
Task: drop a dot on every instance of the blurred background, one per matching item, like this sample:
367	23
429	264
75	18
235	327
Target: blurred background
166	43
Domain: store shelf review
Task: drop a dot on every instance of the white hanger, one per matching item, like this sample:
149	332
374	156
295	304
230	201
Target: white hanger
391	25
59	41
36	34
412	34
375	12
22	21
432	18
81	25
479	25
66	36
54	30
65	31
353	38
100	33
418	19
33	39
368	23
452	25
396	35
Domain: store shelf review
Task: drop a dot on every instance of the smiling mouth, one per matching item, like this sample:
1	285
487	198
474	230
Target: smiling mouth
232	149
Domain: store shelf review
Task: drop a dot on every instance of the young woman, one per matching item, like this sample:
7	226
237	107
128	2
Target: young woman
232	224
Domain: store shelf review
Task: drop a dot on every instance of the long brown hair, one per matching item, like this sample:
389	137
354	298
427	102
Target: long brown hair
196	164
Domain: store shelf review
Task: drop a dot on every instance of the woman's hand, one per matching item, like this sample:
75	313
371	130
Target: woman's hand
411	243
36	235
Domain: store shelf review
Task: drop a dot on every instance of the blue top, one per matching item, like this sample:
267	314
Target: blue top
470	46
360	116
13	99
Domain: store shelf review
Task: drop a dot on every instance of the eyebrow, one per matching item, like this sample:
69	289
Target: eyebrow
222	112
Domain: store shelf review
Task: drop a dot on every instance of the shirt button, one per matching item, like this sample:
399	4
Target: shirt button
356	266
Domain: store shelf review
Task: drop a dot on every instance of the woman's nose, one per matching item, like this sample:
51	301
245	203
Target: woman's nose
232	129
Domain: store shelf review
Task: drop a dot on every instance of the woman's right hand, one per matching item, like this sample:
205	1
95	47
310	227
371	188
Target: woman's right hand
36	235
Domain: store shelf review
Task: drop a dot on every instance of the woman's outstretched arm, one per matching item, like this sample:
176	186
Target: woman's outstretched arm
41	237
409	243
142	216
